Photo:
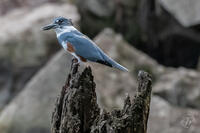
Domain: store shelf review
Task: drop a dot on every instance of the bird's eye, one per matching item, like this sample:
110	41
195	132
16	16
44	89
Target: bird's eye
59	21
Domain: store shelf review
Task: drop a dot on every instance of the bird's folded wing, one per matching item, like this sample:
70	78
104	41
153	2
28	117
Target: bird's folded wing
86	48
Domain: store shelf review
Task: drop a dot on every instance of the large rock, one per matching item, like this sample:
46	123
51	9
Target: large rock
180	87
30	111
165	118
186	12
101	8
22	41
9	5
5	83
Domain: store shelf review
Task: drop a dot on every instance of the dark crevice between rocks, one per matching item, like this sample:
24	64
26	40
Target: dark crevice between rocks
76	109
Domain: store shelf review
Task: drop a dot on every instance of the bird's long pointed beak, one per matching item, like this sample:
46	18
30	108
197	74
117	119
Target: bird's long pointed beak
48	27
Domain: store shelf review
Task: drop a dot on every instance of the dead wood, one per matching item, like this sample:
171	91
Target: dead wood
76	109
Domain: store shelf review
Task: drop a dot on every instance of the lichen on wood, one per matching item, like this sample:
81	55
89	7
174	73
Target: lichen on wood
76	109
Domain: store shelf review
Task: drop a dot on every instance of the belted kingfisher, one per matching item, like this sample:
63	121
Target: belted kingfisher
79	45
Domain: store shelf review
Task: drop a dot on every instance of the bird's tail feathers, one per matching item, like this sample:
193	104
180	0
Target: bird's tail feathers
114	64
118	66
110	62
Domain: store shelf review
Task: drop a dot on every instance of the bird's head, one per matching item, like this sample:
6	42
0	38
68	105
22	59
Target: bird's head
59	22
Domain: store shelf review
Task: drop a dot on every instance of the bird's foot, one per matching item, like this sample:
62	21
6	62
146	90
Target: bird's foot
75	61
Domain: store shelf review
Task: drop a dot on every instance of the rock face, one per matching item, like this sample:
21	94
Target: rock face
8	5
165	118
180	87
101	8
22	41
5	83
181	9
30	111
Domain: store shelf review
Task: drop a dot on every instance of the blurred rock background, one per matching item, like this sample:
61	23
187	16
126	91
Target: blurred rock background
159	36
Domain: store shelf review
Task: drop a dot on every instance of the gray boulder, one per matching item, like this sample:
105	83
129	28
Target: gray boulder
181	87
22	41
31	110
9	5
165	118
185	11
101	8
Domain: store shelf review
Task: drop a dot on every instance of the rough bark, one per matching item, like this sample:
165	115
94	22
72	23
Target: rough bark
77	111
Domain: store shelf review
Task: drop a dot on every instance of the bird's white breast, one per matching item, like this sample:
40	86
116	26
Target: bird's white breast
64	45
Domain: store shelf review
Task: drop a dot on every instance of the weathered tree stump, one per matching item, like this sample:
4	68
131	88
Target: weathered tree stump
77	111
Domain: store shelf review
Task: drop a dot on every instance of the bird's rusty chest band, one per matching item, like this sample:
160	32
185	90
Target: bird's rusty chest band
70	47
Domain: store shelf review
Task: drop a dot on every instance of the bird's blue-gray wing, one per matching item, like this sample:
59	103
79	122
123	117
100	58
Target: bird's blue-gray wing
86	48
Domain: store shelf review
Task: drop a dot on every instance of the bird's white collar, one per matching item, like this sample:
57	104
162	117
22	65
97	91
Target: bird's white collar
65	29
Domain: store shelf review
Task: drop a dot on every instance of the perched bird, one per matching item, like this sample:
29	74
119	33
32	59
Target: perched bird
79	45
